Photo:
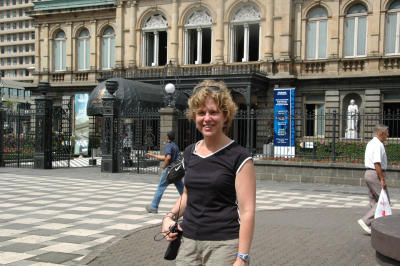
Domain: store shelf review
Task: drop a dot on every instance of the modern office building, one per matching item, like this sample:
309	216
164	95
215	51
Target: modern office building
17	40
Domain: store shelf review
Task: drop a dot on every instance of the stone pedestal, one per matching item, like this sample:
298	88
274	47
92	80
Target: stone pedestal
385	238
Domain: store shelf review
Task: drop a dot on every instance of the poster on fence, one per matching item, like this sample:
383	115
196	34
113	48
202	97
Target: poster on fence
81	125
284	126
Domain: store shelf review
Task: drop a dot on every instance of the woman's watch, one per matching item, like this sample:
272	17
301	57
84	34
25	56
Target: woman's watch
244	257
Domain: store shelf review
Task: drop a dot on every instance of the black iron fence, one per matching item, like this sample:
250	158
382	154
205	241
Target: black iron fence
18	137
324	137
139	134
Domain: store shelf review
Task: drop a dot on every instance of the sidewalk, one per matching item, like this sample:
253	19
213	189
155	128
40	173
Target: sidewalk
285	237
74	216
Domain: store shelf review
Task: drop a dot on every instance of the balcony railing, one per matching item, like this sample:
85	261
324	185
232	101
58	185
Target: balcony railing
353	64
185	71
391	63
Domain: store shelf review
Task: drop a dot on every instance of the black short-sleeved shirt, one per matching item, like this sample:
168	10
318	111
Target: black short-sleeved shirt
212	211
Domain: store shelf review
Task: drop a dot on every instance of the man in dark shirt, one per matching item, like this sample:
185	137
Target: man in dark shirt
171	151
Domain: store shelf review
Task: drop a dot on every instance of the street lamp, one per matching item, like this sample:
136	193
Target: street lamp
170	96
170	90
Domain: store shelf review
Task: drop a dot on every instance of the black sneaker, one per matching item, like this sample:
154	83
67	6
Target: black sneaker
150	210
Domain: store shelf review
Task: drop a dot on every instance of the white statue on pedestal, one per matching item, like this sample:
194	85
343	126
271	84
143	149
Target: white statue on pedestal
352	120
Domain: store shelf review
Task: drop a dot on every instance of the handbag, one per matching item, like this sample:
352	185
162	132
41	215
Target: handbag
175	171
383	205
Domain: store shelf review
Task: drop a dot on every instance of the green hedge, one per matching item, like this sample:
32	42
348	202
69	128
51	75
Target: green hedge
344	150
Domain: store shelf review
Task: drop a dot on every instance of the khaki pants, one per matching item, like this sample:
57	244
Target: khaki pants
374	190
202	252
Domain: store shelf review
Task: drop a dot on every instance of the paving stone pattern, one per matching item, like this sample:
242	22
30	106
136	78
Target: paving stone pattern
285	237
72	216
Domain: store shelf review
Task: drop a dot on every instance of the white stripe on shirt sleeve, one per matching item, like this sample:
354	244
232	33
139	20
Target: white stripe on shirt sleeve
245	160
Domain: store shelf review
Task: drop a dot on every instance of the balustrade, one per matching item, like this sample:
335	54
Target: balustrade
391	63
353	65
314	67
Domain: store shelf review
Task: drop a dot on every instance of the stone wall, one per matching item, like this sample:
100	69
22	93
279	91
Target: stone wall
325	173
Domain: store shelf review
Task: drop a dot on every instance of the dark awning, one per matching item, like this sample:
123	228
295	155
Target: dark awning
133	95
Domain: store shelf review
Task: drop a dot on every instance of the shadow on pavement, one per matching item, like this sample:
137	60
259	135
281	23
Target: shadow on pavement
329	236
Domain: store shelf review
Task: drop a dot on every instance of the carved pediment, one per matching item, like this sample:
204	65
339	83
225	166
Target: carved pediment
155	21
199	18
246	13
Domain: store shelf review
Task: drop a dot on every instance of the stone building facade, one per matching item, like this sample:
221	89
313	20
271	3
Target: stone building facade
331	51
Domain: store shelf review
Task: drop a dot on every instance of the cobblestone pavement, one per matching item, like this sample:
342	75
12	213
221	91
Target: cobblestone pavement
79	215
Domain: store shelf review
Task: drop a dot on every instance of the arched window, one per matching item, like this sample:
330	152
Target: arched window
245	34
198	38
108	47
154	41
392	41
59	51
355	31
317	33
83	50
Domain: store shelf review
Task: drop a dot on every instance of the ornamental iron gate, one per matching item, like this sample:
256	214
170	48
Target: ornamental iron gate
19	137
139	134
62	147
23	136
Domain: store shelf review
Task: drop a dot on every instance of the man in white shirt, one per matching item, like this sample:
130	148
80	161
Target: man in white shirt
375	164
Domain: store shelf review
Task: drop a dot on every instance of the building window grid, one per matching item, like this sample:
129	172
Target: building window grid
320	45
355	43
396	34
83	50
59	51
108	46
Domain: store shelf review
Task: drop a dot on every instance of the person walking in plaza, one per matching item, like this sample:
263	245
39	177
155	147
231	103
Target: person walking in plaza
218	201
375	164
171	152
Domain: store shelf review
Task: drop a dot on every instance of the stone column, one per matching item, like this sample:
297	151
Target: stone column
199	58
46	52
93	41
269	30
186	47
119	35
298	34
37	47
156	50
43	129
110	132
332	104
372	112
168	122
246	44
69	46
219	34
285	8
132	35
174	44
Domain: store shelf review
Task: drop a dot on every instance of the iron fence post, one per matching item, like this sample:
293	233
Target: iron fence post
110	130
43	129
334	137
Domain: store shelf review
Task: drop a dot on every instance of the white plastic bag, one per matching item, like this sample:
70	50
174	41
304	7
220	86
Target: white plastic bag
383	205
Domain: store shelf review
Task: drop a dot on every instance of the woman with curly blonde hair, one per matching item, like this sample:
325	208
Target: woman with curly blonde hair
218	201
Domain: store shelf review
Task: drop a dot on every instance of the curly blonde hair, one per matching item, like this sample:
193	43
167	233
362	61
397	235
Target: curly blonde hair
219	93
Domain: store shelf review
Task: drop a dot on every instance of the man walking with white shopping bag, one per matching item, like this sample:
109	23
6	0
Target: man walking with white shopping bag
375	164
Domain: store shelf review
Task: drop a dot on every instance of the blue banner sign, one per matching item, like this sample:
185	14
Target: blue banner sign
284	126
